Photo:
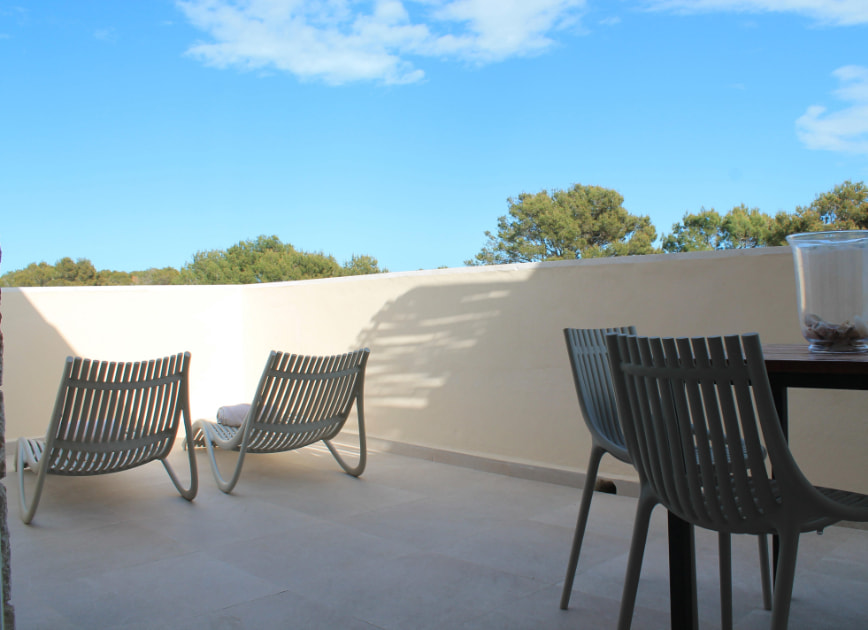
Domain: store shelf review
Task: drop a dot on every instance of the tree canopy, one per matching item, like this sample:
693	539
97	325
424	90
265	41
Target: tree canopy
68	273
590	222
265	259
845	207
737	229
582	222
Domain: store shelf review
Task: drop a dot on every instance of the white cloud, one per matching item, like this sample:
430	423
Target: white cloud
844	130
339	41
106	35
498	29
836	12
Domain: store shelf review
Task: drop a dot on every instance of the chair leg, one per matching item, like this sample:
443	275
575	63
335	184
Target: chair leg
784	577
27	511
724	546
359	468
223	484
584	509
634	564
765	570
187	493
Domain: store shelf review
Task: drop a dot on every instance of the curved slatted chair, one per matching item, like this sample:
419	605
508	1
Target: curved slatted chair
684	405
300	400
110	417
589	359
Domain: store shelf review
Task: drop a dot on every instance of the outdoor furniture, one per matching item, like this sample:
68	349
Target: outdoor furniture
794	366
300	400
109	417
684	404
589	359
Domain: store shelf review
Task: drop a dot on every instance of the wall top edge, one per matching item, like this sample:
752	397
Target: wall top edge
616	260
129	288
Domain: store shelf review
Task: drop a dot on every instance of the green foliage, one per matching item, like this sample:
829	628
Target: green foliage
582	222
361	266
65	273
845	207
739	228
265	259
166	275
696	232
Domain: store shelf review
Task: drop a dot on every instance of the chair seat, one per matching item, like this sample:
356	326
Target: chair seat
852	499
33	450
221	431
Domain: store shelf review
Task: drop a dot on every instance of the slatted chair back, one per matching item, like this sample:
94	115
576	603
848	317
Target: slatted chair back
304	399
589	359
685	405
114	416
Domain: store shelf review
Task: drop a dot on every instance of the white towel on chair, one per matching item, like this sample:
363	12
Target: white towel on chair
233	415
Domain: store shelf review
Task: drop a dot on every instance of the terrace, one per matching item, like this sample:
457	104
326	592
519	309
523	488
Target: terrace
412	544
464	516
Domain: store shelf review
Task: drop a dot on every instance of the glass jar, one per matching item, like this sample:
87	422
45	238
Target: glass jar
831	277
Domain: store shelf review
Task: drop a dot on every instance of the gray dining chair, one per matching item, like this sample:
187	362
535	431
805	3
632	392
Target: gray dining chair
684	405
589	359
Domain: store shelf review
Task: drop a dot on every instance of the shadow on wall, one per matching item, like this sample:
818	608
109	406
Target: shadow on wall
27	335
443	356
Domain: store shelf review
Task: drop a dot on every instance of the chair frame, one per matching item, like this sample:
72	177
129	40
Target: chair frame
110	416
300	400
685	404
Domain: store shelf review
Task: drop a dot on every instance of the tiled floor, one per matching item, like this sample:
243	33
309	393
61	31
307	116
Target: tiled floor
411	545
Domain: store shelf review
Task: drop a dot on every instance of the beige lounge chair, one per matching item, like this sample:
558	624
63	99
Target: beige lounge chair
109	417
300	400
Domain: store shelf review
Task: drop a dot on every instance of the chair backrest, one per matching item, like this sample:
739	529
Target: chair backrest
304	399
589	359
685	405
111	416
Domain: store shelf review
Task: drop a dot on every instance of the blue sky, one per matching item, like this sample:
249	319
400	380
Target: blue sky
137	133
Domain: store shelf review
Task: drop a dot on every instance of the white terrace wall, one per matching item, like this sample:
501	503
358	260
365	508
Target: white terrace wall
470	361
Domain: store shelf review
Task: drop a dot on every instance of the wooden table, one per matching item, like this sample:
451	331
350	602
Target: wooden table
788	365
796	366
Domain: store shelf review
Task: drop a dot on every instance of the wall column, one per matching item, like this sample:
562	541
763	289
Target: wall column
8	611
